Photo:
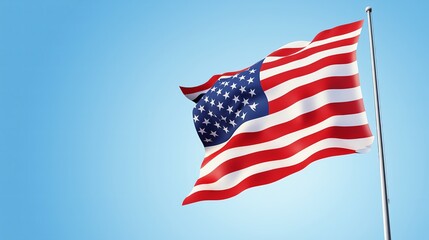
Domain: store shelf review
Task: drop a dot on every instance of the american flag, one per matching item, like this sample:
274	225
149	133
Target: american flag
301	103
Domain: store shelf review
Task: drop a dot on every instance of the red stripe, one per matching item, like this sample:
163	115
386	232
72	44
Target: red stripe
284	52
264	177
310	51
238	163
207	85
300	122
339	30
203	87
310	89
235	72
313	67
343	29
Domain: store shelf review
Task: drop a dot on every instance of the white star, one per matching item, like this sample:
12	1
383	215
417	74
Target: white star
210	113
236	99
217	124
213	133
220	105
241	77
208	140
219	91
250	80
206	99
232	122
252	71
233	86
225	129
226	84
206	122
213	89
235	76
252	92
201	108
212	102
242	89
202	131
253	106
230	109
237	114
196	118
223	118
222	83
226	95
245	101
243	115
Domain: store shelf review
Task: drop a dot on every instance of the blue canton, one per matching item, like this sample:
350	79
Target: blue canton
228	104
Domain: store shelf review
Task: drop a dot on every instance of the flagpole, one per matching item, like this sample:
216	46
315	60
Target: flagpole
385	201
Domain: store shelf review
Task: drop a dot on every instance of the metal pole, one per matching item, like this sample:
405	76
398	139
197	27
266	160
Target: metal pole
384	200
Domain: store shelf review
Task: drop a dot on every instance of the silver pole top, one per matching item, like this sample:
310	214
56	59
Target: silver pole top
368	9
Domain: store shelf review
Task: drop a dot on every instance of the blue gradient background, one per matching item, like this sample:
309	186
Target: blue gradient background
97	142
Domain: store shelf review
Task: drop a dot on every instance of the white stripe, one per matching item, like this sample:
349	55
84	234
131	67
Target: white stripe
230	180
335	121
306	61
192	96
319	43
271	59
337	70
331	39
301	107
296	44
334	39
225	76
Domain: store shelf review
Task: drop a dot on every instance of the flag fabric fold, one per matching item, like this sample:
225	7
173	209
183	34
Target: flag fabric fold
300	104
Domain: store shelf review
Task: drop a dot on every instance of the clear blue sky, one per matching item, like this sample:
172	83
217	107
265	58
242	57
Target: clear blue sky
97	141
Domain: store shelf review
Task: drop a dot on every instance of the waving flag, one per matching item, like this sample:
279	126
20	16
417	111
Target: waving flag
301	103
